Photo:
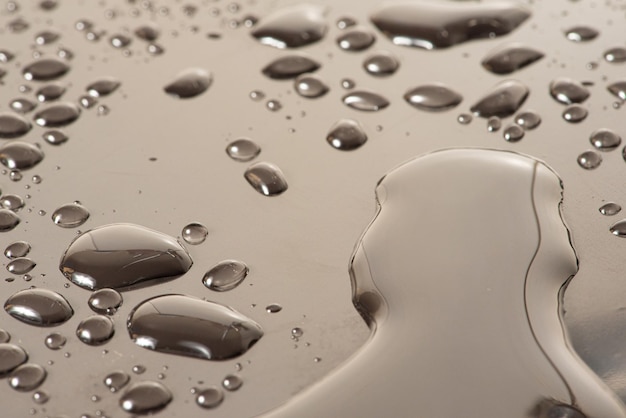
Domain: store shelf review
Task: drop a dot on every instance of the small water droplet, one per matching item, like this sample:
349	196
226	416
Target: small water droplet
510	58
266	178
605	139
528	120
347	83
513	133
243	149
575	113
6	56
46	37
365	100
618	89
71	215
433	97
225	275
50	92
346	135
232	382
273	105
381	64
619	228
20	265
55	341
257	95
273	308
155	49
494	124
568	91
27	377
57	114
41	397
148	32
194	233
105	301
21	105
145	398
464	118
345	22
189	83
310	86
581	33
20	155
503	100
139	369
5	337
11	356
120	41
116	380
40	307
95	330
12	202
8	220
17	249
36	179
589	160
356	39
615	55
209	398
610	209
45	69
297	332
13	125
103	86
290	66
292	27
317	359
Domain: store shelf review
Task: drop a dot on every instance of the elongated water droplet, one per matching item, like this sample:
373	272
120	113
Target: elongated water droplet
11	356
119	256
46	37
20	155
189	83
187	326
17	249
50	92
116	380
148	32
619	228
45	69
225	275
103	86
95	330
8	220
243	149
22	106
503	100
528	120
510	58
87	101
273	105
209	398
346	135
581	33
55	137
618	89
610	209
21	265
433	97
381	64
310	86
55	341
145	398
513	133
40	307
57	114
356	39
13	125
266	178
27	377
464	118
365	100
194	233
290	66
575	113
292	27
105	301
441	25
615	55
232	382
589	160
70	215
605	139
568	91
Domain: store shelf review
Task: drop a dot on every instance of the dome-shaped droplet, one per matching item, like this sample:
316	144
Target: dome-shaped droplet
381	64
27	377
12	202
145	398
70	215
273	308
55	341
494	124
189	83
225	275
513	133
13	125
187	326
11	356
20	155
21	265
17	249
148	32
432	25
365	100
346	135
290	66
123	255
40	307
95	330
618	89
8	220
310	86
209	398
22	105
194	233
568	91
57	114
575	113
266	178
243	149
615	55
54	137
619	228
292	27
605	139
50	92
232	382
510	58
610	209
502	101
116	380
345	22
581	33
45	69
103	86
433	97
528	120
105	301
589	160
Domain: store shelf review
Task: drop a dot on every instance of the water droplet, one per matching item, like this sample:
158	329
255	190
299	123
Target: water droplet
257	95
20	155
120	41
381	64
568	91
273	308
581	33
317	359
40	307
440	25
528	120
494	124
266	178
70	215
27	377
148	32
194	233
8	220
17	249
103	87
55	137
50	92
503	100
209	398
355	40
187	326
155	49
618	89
6	56
116	380
145	398
347	83
21	265
292	27
346	135
615	55
189	83
433	97
12	202
95	330
103	110
510	58
123	255
243	149
18	25
365	100
232	382
297	332
46	37
513	133
13	126
11	356
575	113
610	209
605	139
310	86
57	114
273	105
45	69
464	118
55	341
225	275
139	369
589	160
290	66
87	102
21	106
619	228
41	397
5	337
105	301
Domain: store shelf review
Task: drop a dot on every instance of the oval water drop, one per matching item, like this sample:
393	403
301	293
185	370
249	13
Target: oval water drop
20	265
615	55
194	233
209	398
568	91
50	92
27	377
619	229
95	330
605	139
11	356
232	382
8	220
290	66
13	125
105	301
510	58
610	209
45	69
310	86
381	64
103	86
145	398
356	39
273	308
17	249
189	83
55	137
148	32
292	27
494	124
57	114
513	133
186	326
502	101
243	149
22	105
589	160
40	307
116	380
433	97
365	100
55	341
581	33
46	37
225	275
12	202
70	215
575	113
5	337
528	120
618	89
120	256
266	178
120	41
20	155
346	135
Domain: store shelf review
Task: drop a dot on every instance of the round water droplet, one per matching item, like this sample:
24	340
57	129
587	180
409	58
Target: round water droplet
45	69
225	275
116	380
103	87
297	332
581	33
266	178
365	100
11	356
273	308
310	86
58	114
194	233
346	135
6	56
209	398
510	58
123	255
243	149
528	120
290	66
575	113
8	220
494	124
12	202
357	39
105	301
513	133
145	398
148	32
589	160
21	265
610	209
50	92
40	307
27	377
5	337
433	97
120	41
618	89
605	139
187	326
381	64
503	100
568	91
20	155
21	105
139	369
292	27
189	83
17	249
273	105
95	330
232	382
615	55
41	397
55	341
46	37
13	125
70	215
464	119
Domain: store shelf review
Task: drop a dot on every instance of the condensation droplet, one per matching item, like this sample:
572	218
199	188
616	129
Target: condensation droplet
292	27
11	356
17	249
618	89
95	330
568	91
116	380
503	100
513	133
209	398
103	86
12	202
194	233
346	135
510	58
21	105
365	100
619	228
575	113
494	124
45	69
5	337
589	160
120	41
71	215
266	178
615	55
610	209
55	341
232	382
310	86
528	120
243	149
105	301
13	125
8	220
41	397
57	114
356	39
464	118
581	33
50	92
290	66
433	97
27	377
273	308
225	275
381	64
20	265
605	139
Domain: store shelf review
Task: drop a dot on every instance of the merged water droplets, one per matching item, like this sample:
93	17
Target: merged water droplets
568	91
292	27
225	275
45	69
11	356
356	39
40	307
57	114
13	125
27	377
510	58
95	330
243	149
20	155
610	209
346	135
70	215
581	33
105	301
381	64
183	325
365	100
266	178
310	86
433	97
194	233
503	100
145	398
605	139
290	66
189	83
